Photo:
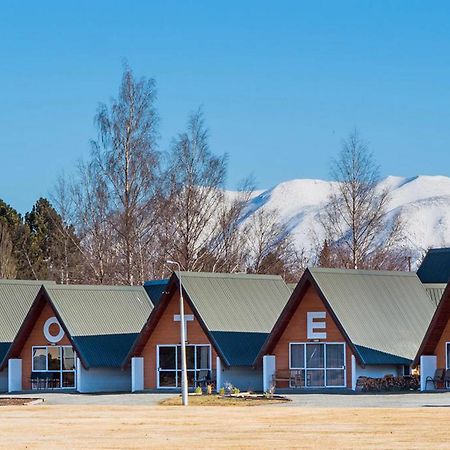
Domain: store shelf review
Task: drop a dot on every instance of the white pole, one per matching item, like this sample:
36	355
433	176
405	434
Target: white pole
184	382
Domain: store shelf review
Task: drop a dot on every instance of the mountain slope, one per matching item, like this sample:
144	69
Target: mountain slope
423	202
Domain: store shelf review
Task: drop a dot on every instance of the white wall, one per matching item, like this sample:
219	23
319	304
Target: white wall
428	365
378	371
269	369
103	380
245	378
14	375
4	380
137	374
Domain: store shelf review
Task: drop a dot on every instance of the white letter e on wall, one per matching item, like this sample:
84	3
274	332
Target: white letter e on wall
311	325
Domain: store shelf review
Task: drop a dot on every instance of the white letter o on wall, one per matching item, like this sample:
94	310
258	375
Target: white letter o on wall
50	338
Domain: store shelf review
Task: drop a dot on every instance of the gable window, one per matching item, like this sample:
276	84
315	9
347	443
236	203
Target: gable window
317	364
53	367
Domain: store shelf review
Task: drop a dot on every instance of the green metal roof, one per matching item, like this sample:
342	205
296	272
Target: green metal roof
388	312
103	321
16	298
435	267
239	310
435	291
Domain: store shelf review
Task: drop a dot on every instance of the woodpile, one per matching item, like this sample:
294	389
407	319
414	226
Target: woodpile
388	383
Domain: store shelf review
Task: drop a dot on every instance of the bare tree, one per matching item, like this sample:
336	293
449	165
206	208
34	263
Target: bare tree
125	161
358	232
8	267
268	244
193	196
97	238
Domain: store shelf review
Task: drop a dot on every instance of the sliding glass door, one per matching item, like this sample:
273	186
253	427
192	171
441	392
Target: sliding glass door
168	365
317	364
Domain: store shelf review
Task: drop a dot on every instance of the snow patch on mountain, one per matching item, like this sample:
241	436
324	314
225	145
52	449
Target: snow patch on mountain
422	201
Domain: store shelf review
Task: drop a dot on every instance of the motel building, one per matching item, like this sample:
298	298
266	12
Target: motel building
228	318
433	356
75	338
16	298
340	325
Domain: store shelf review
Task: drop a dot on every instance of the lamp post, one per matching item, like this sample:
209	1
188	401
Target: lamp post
184	383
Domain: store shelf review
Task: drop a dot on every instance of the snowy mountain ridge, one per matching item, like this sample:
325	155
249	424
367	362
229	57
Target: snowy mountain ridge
422	201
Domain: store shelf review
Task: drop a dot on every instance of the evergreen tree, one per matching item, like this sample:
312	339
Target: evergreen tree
50	245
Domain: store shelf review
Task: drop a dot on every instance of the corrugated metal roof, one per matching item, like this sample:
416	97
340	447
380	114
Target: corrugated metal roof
435	291
237	302
239	310
16	298
384	311
435	267
101	319
155	288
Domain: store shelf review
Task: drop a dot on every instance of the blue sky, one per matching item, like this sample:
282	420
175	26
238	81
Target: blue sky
280	82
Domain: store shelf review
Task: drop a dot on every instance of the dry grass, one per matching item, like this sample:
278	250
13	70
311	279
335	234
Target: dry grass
15	401
111	427
217	400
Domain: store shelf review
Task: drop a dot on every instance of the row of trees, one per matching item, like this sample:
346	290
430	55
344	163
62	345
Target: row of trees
130	207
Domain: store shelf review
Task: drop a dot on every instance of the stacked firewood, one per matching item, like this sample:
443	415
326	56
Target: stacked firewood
388	383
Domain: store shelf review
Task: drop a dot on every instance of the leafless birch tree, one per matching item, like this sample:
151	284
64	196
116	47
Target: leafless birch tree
358	232
126	159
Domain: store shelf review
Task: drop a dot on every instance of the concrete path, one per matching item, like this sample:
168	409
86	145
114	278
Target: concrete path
125	399
360	400
376	400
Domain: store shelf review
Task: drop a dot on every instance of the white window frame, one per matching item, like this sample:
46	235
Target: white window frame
176	370
61	371
325	368
447	344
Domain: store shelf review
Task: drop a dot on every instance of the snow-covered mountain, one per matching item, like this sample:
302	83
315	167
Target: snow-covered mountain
423	202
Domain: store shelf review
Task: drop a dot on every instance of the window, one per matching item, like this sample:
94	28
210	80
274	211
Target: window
53	367
198	363
318	364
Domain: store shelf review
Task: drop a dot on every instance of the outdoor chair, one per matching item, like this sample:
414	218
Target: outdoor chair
298	378
437	378
446	380
204	378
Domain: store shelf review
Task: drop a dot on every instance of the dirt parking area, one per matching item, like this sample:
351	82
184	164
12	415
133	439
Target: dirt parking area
112	427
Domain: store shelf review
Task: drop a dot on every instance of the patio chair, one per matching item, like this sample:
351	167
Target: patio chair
298	378
437	378
204	378
446	380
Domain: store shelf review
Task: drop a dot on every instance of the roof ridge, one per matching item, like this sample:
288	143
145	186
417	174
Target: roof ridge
94	287
258	276
362	271
25	282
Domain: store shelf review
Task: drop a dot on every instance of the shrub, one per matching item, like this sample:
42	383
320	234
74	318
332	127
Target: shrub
198	390
235	390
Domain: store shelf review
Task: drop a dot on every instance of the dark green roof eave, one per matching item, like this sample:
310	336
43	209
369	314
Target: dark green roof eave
372	357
